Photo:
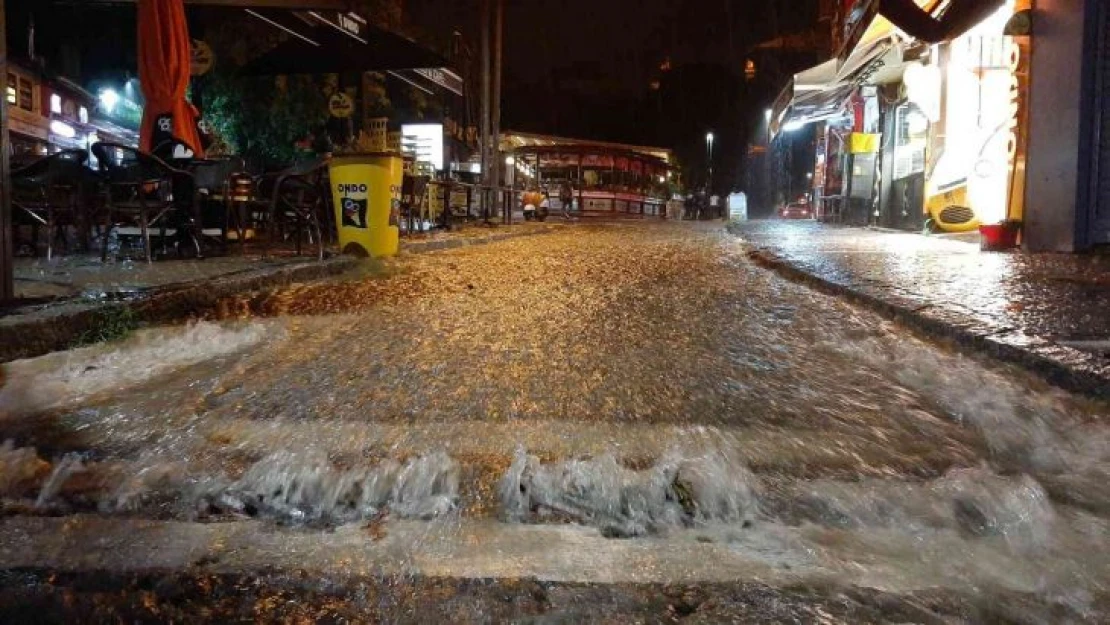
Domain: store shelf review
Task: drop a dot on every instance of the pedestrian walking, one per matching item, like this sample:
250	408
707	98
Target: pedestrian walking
566	199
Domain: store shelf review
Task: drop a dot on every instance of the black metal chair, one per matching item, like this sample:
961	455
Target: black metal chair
143	187
48	192
413	191
299	196
212	176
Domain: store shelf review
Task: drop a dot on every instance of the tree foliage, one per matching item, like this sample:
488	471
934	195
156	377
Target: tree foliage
263	118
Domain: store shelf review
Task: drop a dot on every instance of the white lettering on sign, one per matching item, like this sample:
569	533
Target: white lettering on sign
348	24
1014	63
444	78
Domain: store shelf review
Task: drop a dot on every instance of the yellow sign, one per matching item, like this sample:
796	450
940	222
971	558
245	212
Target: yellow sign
341	106
863	143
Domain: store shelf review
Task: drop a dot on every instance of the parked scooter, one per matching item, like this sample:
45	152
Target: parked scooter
536	205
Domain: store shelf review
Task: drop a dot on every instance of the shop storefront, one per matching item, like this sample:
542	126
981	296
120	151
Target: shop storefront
46	115
606	177
932	134
971	91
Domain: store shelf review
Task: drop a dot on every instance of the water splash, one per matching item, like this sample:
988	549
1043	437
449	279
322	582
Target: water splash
1040	433
305	487
676	491
67	378
63	469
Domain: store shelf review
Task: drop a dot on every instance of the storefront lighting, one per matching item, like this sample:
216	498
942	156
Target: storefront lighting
793	125
55	103
510	161
767	114
83	115
62	129
109	99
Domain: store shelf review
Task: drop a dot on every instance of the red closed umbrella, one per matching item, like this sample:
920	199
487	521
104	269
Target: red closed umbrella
164	66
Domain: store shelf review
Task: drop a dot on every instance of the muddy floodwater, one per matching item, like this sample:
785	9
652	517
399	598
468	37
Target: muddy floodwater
624	422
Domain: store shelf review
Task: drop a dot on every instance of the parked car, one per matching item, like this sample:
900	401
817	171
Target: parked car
798	209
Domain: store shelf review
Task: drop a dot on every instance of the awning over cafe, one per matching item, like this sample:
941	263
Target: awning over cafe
818	93
320	44
927	21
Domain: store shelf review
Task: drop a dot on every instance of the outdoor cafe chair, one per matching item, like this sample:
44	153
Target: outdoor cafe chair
298	196
142	187
213	177
49	193
413	192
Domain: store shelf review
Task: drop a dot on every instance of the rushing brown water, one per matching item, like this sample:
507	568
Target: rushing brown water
608	404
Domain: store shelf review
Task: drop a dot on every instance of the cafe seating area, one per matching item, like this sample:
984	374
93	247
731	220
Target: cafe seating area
117	202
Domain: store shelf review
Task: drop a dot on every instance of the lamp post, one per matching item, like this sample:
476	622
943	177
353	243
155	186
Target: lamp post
709	150
768	163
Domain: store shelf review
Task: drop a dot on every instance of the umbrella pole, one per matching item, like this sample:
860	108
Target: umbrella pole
495	139
7	282
485	141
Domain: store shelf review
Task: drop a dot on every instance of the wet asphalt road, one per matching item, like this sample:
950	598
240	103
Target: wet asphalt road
608	404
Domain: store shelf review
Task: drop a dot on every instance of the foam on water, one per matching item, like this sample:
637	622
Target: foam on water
66	378
306	487
676	491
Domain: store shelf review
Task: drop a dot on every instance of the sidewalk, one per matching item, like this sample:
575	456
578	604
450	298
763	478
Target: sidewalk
1048	312
74	297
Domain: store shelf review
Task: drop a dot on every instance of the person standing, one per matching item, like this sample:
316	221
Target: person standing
566	199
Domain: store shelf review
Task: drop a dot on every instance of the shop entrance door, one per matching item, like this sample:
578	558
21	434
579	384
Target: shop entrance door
1100	180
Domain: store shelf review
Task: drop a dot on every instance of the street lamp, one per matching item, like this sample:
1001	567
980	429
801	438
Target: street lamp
709	149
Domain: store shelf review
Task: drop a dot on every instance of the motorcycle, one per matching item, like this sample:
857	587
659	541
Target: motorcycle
535	205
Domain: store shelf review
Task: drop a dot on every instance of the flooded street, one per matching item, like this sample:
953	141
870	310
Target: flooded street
607	420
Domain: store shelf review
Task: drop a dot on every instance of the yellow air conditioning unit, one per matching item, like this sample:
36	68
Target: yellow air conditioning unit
950	210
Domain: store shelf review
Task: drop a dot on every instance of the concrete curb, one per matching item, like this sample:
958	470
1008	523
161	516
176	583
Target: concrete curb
1060	366
62	326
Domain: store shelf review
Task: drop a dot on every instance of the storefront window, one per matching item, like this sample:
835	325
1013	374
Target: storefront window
976	132
910	139
26	95
12	98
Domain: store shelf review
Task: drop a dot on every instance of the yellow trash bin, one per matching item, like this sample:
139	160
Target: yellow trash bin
366	191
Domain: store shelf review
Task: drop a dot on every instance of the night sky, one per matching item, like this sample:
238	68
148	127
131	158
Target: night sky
582	68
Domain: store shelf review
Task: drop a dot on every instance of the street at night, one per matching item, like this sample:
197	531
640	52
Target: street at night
612	411
555	311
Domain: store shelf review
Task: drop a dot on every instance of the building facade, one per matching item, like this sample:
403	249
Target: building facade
986	113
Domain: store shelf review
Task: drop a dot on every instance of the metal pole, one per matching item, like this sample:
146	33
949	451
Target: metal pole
7	282
495	143
484	182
